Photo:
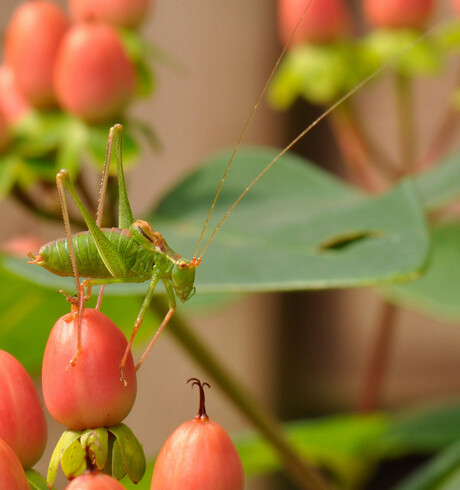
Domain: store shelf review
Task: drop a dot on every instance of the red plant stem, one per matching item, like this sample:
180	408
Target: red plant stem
378	360
407	129
442	140
354	149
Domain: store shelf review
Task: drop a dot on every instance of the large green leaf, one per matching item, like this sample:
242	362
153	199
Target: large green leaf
437	292
440	185
298	228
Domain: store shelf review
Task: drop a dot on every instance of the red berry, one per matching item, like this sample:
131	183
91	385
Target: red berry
394	14
94	78
325	21
32	41
22	419
123	13
94	481
198	455
90	393
456	6
13	104
12	476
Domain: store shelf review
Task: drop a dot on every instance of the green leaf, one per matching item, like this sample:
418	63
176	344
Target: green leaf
412	56
452	482
68	438
422	430
298	228
342	444
95	441
433	474
73	460
118	467
437	292
440	185
131	451
9	165
319	73
37	481
144	484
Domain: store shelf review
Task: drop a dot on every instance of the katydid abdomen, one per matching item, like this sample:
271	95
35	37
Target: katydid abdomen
55	256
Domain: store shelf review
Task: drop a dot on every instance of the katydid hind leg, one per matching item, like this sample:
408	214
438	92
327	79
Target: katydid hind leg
80	299
102	195
107	251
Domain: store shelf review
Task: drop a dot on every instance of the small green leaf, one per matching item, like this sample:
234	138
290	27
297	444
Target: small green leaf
434	474
131	452
9	166
412	56
145	79
73	460
319	73
68	438
37	481
95	441
118	466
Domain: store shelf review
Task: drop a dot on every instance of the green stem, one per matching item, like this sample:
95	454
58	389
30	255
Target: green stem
268	426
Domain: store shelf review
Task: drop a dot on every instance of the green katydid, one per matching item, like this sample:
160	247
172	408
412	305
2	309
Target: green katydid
135	252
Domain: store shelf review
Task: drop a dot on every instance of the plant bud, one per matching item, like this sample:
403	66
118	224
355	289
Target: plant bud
198	455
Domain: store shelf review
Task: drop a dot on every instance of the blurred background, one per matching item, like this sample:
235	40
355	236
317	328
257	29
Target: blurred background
299	354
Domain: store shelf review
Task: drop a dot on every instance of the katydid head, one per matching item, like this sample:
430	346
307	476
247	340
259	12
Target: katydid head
183	279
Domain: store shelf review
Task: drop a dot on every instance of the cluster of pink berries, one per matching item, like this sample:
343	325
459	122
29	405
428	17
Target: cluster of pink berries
330	20
91	401
76	62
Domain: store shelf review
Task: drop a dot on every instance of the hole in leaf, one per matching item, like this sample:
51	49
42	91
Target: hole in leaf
339	243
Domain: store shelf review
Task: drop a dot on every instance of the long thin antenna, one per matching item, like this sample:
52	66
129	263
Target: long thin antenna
243	132
342	99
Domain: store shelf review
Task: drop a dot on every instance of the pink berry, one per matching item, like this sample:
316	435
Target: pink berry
22	419
198	455
12	476
94	79
88	394
32	41
94	481
394	14
123	13
325	21
13	104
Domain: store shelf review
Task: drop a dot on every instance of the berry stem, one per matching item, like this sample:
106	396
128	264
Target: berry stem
201	415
